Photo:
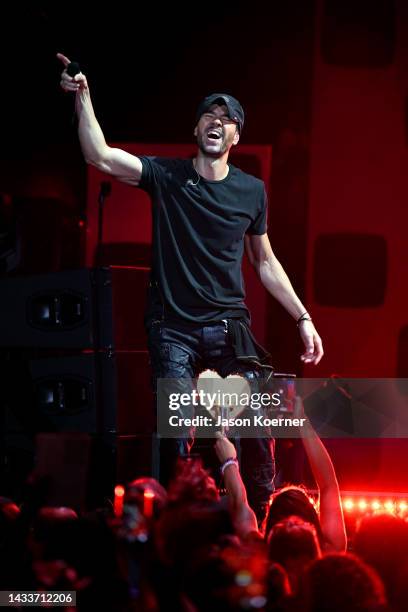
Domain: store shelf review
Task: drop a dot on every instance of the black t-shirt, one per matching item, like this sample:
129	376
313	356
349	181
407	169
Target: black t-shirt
198	239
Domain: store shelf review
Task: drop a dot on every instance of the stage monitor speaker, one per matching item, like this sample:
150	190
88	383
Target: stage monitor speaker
105	397
100	308
92	393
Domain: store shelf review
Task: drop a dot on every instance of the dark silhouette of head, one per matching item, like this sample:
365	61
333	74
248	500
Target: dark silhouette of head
192	483
340	582
292	501
382	541
293	544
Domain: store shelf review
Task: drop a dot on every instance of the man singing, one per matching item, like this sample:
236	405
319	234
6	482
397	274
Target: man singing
205	212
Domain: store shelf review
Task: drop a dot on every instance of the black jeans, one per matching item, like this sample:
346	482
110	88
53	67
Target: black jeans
181	352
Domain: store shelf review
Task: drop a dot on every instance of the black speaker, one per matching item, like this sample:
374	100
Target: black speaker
98	309
92	393
100	403
74	363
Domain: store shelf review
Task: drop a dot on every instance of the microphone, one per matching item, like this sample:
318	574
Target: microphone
73	69
191	183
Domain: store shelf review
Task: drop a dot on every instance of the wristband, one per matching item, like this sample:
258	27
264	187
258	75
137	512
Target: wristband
230	461
304	317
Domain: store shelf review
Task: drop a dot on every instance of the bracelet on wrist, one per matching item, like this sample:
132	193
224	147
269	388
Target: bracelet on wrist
230	461
304	317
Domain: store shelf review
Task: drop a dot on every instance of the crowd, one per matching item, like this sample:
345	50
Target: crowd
192	548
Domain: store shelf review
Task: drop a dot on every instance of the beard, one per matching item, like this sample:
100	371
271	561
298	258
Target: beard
216	149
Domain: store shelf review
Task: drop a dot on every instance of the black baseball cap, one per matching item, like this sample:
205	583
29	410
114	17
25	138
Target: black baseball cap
235	110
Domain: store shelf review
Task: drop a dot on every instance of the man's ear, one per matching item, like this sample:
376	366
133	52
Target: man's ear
236	137
195	131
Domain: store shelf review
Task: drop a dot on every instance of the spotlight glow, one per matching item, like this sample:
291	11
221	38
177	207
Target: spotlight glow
348	504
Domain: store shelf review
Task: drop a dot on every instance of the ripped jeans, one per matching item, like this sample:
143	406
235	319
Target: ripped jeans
181	352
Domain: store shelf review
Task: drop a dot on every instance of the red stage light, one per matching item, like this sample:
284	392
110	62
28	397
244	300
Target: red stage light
118	501
348	504
363	500
148	497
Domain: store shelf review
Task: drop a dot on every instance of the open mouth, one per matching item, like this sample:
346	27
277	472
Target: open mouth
214	135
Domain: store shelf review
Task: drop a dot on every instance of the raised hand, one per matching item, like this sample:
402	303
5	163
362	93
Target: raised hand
69	83
224	448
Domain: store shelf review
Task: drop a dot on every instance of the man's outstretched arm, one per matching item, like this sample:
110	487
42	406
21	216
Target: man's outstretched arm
277	283
120	164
